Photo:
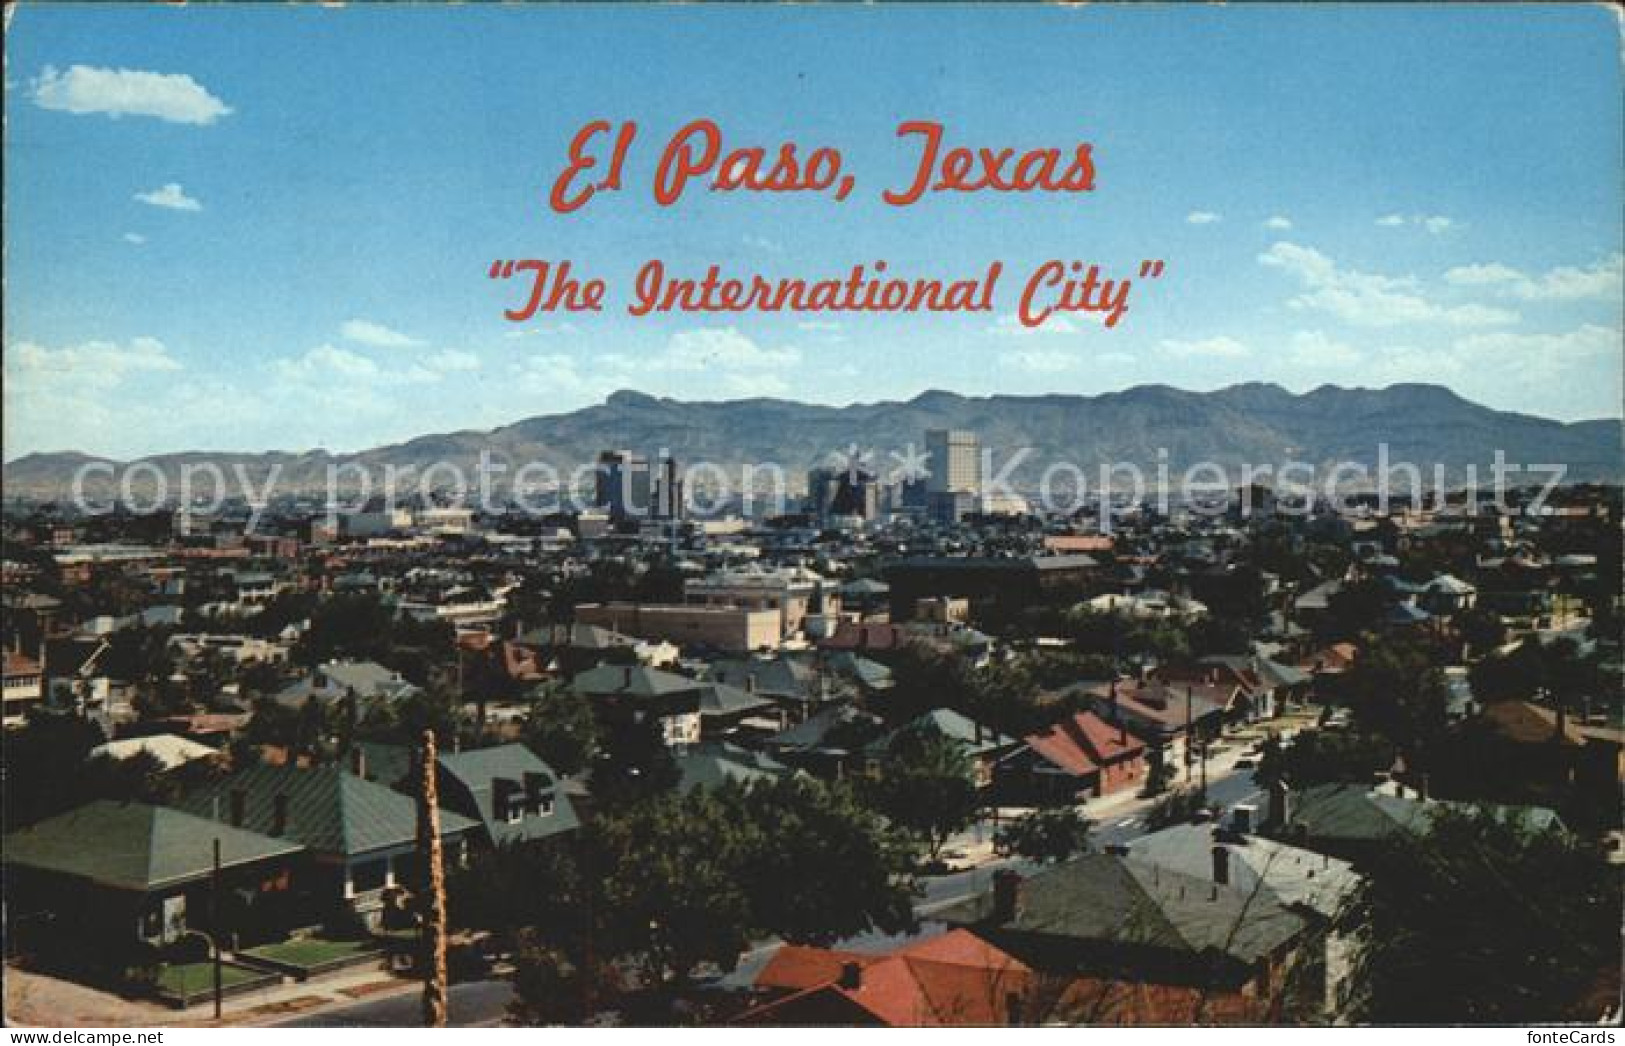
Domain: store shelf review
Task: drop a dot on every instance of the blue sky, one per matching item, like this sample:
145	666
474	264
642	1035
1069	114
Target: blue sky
269	227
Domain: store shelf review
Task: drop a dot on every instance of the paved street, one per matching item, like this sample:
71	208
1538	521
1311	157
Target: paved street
475	1004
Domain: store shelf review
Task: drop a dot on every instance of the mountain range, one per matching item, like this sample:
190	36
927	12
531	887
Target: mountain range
1244	424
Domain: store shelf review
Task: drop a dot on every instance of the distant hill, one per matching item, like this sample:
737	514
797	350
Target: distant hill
1255	423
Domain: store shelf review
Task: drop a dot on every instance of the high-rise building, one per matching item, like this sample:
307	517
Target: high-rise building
622	484
955	461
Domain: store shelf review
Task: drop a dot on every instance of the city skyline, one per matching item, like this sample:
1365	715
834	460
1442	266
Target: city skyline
260	261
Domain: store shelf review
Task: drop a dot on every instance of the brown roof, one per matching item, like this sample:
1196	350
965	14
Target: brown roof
20	664
1524	723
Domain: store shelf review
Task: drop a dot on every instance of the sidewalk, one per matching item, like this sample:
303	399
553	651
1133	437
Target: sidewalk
37	1000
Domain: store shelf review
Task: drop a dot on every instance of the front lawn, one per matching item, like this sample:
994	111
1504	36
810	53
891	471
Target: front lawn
311	952
190	978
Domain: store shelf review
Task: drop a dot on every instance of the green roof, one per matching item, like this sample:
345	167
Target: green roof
477	772
134	846
329	809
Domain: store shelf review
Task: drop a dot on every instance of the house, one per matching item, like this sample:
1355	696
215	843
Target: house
1168	718
333	681
691	626
360	835
23	687
955	979
1080	757
712	764
1115	926
1353	821
514	796
168	750
829	743
109	872
984	746
1313	885
633	693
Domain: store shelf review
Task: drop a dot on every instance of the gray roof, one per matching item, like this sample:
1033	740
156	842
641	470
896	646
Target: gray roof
1102	898
1291	876
632	681
134	846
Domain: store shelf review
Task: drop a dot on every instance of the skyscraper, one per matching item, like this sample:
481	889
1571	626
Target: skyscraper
955	461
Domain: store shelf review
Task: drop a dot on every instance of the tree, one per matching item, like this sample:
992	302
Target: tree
1324	756
1045	835
822	867
1396	690
926	788
632	764
672	900
561	729
1483	920
43	759
1177	807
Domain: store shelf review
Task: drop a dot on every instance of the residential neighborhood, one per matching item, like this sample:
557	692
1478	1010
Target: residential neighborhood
960	772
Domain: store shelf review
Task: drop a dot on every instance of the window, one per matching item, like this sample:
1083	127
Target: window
514	813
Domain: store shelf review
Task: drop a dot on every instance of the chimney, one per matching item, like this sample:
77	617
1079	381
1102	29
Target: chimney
626	677
1427	788
750	682
239	801
1221	866
851	976
279	815
358	761
1280	804
1117	849
1006	895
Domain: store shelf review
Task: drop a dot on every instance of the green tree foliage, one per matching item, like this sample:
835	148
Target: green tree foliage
1325	756
822	866
1395	690
1483	921
633	763
926	788
561	730
43	761
1047	836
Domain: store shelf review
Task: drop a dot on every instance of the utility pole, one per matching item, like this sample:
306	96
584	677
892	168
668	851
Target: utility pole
433	957
214	927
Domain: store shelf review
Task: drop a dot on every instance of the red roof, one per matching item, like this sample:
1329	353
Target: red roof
21	665
1084	743
953	980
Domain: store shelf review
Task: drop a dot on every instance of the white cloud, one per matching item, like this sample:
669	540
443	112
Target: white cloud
1601	280
1203	218
100	363
1317	349
1370	299
1278	222
325	362
135	238
1010	327
448	361
171	196
81	89
1586	342
1219	347
366	332
1039	361
1434	223
762	243
723	348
